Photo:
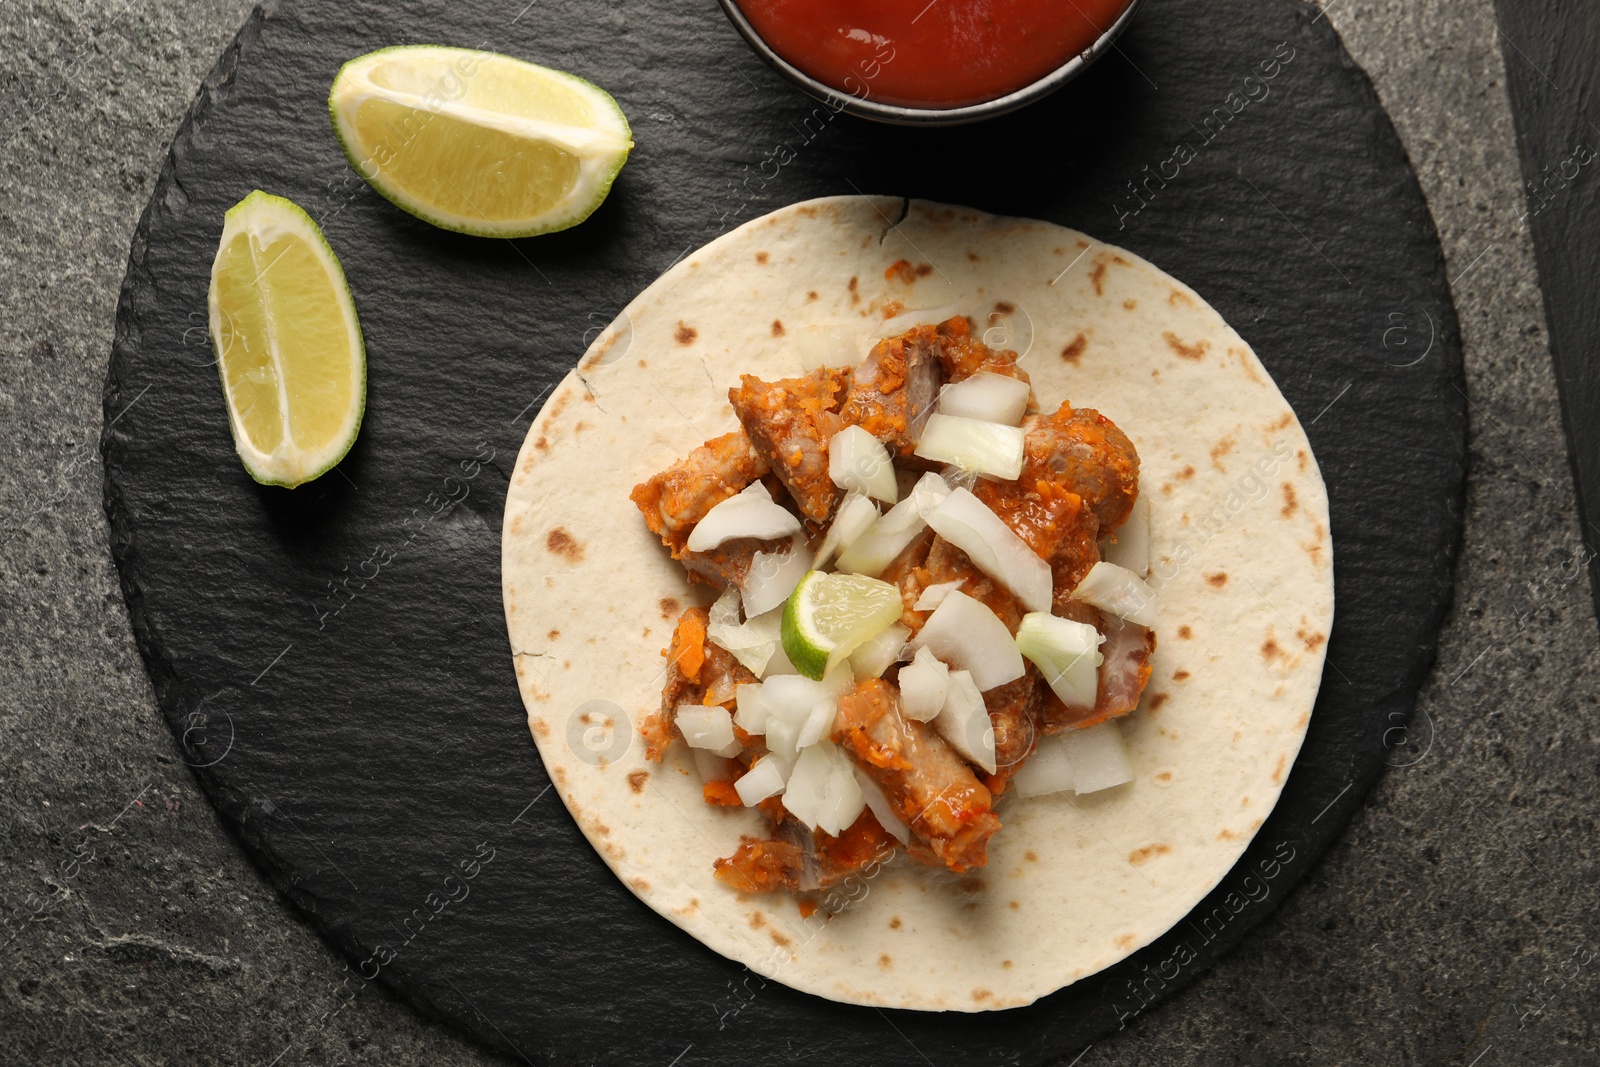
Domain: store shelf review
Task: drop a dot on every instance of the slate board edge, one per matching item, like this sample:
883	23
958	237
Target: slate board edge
176	702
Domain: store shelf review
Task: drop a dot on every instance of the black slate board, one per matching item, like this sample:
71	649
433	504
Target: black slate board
375	760
1552	57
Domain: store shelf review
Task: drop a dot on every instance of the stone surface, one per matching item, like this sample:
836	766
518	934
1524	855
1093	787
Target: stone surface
1467	873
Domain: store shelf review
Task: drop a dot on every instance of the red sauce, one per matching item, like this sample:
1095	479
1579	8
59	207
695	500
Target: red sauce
917	53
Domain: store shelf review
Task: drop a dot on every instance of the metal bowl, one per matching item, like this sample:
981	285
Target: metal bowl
897	115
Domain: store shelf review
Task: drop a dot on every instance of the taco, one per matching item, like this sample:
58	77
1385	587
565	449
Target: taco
794	682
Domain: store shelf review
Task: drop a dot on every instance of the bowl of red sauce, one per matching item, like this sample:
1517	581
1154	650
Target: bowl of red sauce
929	62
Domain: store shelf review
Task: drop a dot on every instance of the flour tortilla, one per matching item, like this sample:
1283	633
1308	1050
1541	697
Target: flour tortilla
1240	554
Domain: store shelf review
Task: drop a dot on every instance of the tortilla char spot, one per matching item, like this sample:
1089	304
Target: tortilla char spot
1269	649
647	631
761	257
669	607
563	544
894	923
853	283
566	664
1217	580
602	829
560	776
1226	834
640	884
1196	351
1074	349
1300	723
542	444
637	779
970	885
582	426
1180	674
777	328
1185	633
779	940
981	995
1244	802
1303	459
1125	941
1014	906
1277	772
1003	307
541	728
1178	296
1166	488
1142	855
1185	474
1282	422
1098	277
1031	856
1119	261
1164	776
1220	449
1005	964
685	334
811	294
885	962
643	365
1311	639
1157	700
1289	502
757	920
1129	305
973	256
553	634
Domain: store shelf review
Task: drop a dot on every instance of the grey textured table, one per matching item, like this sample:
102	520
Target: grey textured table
1451	925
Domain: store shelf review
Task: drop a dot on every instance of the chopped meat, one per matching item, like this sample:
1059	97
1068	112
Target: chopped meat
1085	453
677	498
895	387
947	563
929	784
1014	713
762	866
962	355
1124	672
698	672
789	423
1053	521
902	572
728	563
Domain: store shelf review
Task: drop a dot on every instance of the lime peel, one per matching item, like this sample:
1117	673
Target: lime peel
829	616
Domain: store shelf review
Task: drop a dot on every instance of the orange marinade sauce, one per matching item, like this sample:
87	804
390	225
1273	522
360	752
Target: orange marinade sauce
917	53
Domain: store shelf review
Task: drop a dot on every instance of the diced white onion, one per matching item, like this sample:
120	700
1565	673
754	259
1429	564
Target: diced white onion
1098	757
1047	771
882	809
762	780
964	721
819	721
773	575
966	522
791	699
874	655
1067	654
828	346
986	447
924	683
779	664
991	397
930	491
1119	591
1131	549
751	513
887	538
709	727
842	798
714	768
822	791
857	460
751	716
917	317
966	634
752	642
934	595
854	517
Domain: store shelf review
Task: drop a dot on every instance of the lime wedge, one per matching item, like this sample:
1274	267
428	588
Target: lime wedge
294	370
477	142
829	616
